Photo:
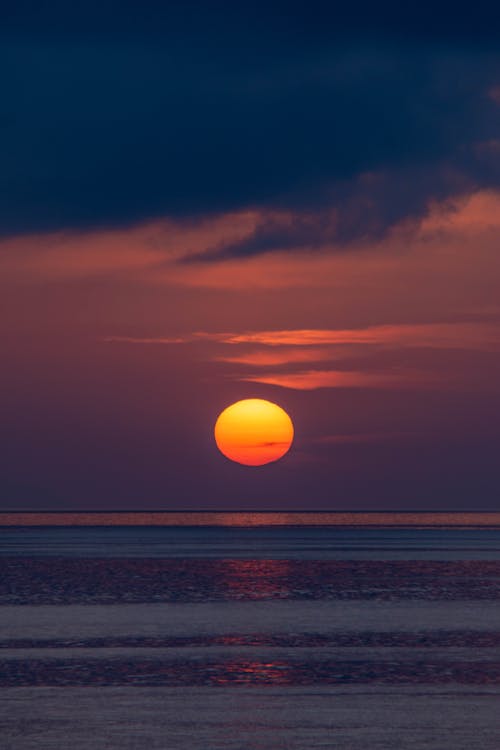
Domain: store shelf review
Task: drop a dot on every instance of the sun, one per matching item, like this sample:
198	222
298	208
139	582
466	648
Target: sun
254	432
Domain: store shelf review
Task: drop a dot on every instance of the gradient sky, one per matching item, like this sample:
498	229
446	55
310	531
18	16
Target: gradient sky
204	202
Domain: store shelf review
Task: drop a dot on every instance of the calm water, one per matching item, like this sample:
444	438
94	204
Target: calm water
249	637
254	542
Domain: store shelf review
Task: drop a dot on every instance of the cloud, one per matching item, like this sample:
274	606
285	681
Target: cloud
309	380
276	356
481	336
445	270
342	126
358	214
274	232
303	25
147	248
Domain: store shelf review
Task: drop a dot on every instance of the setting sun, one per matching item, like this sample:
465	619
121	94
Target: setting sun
254	432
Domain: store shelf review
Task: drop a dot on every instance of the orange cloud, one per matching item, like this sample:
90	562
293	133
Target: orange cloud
309	380
481	336
476	213
276	356
434	335
450	257
148	248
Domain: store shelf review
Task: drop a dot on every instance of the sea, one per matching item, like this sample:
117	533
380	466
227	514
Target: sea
250	631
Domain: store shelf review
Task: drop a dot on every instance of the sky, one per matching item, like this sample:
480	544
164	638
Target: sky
202	202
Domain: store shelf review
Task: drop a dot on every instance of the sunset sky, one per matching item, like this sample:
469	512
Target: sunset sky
207	202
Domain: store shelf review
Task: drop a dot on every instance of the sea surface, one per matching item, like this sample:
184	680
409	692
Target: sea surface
227	632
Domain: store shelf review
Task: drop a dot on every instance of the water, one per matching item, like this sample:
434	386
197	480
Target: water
254	542
249	637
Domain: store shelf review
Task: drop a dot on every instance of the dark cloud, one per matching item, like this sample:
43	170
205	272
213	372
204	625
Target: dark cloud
111	116
364	208
216	18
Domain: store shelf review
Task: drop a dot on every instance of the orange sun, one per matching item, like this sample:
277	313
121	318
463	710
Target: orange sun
253	432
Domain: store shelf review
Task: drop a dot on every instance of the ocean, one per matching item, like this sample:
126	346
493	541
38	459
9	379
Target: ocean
250	631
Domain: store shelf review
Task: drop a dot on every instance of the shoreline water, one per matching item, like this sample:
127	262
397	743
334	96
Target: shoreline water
379	519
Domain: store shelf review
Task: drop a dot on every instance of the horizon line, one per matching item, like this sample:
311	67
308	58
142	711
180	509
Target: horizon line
249	519
250	510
